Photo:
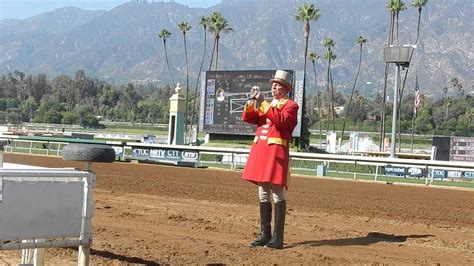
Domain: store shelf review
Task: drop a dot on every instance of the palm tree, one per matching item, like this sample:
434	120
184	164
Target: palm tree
329	55
394	6
204	22
165	34
313	56
217	24
361	41
306	13
419	4
184	28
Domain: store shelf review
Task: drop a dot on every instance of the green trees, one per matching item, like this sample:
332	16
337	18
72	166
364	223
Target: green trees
79	100
305	13
451	115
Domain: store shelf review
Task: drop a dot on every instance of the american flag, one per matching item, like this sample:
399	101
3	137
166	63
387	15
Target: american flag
417	97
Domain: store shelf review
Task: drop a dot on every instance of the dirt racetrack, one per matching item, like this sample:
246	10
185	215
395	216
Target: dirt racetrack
152	214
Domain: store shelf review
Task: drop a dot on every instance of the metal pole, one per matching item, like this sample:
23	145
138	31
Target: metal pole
395	111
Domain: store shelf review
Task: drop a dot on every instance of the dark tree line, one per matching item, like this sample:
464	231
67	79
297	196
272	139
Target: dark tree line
451	115
83	100
79	100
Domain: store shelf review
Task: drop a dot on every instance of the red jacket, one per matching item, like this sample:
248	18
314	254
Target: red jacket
269	156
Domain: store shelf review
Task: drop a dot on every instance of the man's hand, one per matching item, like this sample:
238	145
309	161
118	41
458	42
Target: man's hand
253	92
260	98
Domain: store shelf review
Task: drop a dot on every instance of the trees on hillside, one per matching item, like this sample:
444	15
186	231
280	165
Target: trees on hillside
306	14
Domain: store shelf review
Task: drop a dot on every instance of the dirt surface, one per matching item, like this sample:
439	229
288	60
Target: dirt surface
152	214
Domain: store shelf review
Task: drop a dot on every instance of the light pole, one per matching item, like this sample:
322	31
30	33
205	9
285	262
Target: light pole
400	55
395	112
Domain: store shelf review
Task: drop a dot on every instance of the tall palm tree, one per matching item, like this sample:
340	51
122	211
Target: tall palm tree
184	28
313	56
394	6
164	35
217	24
329	55
419	4
204	22
361	41
305	13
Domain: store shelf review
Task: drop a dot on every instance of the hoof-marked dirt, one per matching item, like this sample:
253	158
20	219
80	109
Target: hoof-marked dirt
152	214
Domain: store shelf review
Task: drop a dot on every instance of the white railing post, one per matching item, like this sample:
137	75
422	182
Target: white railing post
355	169
86	233
376	172
38	257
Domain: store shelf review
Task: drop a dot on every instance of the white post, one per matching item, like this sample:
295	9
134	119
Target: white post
38	257
395	111
83	256
86	232
27	255
355	169
376	171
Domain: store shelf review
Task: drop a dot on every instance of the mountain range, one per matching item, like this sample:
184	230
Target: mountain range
121	45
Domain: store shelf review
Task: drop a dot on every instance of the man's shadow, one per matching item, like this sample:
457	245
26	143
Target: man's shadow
369	239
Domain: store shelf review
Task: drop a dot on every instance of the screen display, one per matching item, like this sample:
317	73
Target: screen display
223	97
461	149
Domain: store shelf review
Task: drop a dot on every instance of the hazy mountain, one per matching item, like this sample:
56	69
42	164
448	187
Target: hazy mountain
121	45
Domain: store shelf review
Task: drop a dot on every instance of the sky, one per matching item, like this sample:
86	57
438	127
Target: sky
20	9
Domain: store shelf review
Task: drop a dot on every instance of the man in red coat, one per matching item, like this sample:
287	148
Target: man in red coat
268	162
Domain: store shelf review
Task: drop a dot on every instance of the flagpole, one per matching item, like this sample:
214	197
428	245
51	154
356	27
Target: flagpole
412	131
416	104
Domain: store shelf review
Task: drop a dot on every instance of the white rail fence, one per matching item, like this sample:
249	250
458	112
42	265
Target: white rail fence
236	157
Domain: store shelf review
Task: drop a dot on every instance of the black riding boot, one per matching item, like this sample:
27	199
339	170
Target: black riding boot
265	225
278	231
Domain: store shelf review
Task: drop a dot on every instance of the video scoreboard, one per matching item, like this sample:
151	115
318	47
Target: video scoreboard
224	94
461	149
454	148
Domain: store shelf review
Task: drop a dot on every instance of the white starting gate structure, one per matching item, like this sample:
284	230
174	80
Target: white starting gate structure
46	207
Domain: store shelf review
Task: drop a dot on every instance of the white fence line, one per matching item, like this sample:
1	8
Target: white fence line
236	154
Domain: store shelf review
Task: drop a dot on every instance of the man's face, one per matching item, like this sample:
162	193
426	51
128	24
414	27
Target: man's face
279	91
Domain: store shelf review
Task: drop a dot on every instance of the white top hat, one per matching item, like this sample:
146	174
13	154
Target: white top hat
282	77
